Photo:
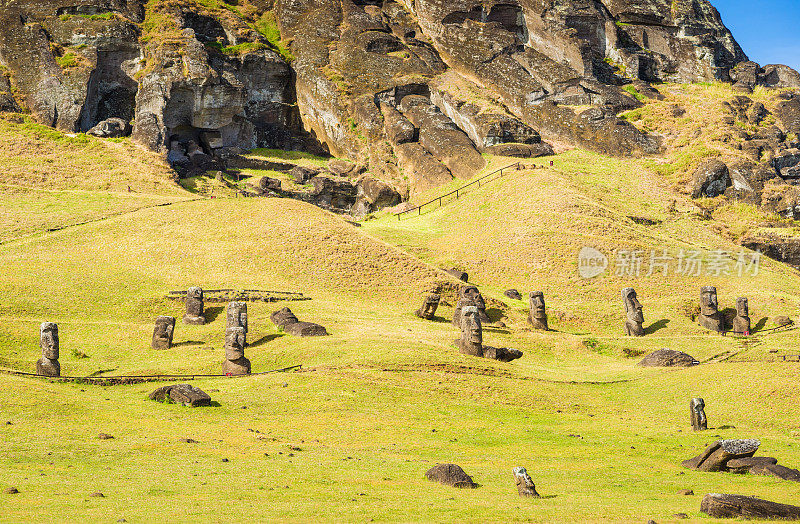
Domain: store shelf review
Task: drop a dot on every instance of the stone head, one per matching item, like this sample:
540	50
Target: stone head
633	308
471	296
698	405
48	340
742	307
234	343
537	305
165	326
194	301
431	303
709	305
237	314
471	329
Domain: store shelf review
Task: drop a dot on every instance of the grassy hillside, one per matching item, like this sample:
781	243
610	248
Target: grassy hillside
387	395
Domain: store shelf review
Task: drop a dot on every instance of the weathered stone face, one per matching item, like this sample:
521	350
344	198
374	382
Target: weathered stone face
471	342
741	323
235	340
236	314
537	314
633	312
710	317
194	307
429	306
525	485
698	414
48	340
742	307
163	332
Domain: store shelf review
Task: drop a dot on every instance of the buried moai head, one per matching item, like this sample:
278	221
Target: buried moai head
468	296
633	313
471	342
237	315
525	485
194	306
741	322
537	314
429	306
709	309
48	340
235	339
697	413
163	332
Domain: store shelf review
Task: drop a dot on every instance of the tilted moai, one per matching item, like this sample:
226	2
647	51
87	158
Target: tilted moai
697	409
633	312
710	317
162	333
470	296
525	485
194	307
236	313
235	361
471	341
428	308
741	323
537	315
48	365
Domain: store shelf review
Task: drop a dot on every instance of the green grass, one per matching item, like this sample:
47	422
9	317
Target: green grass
386	395
267	25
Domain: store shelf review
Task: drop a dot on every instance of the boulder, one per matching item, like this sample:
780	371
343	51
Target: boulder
787	113
513	294
269	184
779	76
184	394
775	470
726	506
501	354
378	193
111	128
782	321
743	465
334	193
451	475
344	168
745	76
399	129
668	358
710	179
302	174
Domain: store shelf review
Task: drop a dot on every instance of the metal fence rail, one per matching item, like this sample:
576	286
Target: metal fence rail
456	193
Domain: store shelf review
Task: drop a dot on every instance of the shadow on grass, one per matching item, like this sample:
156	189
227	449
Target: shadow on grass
760	324
265	339
655	326
211	313
188	343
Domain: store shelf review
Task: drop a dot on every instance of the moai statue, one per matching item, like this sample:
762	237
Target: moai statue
471	341
235	361
48	365
237	315
633	311
525	485
698	414
162	333
466	297
428	309
537	316
194	307
710	317
741	323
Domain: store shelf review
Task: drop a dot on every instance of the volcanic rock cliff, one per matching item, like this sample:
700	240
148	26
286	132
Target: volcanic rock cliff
413	90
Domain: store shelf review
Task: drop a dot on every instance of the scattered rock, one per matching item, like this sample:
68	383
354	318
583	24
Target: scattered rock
302	174
685	492
782	321
734	506
710	179
269	184
105	436
451	475
97	494
225	460
344	168
513	294
681	516
185	394
668	358
111	128
188	441
11	491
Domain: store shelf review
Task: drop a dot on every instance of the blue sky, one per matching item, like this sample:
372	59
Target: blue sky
767	30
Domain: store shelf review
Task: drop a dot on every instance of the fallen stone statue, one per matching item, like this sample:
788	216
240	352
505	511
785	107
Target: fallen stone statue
471	341
285	320
668	358
184	394
736	456
725	506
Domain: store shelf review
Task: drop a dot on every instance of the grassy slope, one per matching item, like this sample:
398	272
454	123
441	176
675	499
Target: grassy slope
601	438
